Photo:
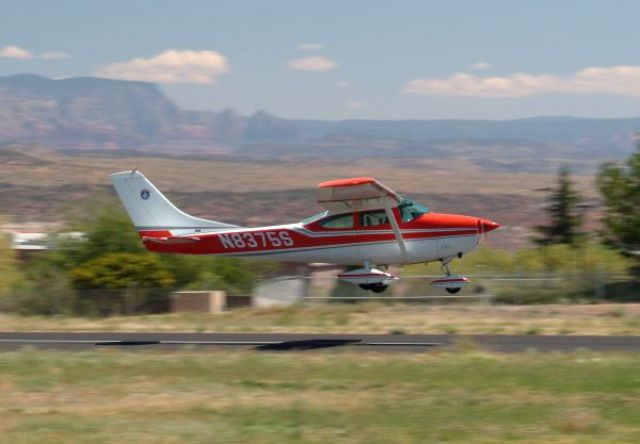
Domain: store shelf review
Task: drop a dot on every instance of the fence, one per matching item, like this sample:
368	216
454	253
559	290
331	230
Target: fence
504	288
88	302
411	289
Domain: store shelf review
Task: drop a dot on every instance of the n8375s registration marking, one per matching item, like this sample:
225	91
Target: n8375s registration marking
257	239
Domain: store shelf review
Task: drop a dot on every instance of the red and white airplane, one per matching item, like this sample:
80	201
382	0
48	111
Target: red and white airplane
364	222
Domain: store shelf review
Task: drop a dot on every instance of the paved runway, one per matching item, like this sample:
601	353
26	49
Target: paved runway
302	342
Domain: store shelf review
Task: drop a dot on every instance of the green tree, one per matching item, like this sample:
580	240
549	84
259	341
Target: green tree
107	229
235	276
90	270
620	188
123	282
563	213
10	276
122	270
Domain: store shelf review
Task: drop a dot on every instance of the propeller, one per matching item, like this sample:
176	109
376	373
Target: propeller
486	225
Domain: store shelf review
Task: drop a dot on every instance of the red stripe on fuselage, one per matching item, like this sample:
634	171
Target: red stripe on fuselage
250	241
314	235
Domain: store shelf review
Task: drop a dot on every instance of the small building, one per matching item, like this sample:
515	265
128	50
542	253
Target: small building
30	239
206	301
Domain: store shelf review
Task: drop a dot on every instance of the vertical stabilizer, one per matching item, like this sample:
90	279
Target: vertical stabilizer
149	209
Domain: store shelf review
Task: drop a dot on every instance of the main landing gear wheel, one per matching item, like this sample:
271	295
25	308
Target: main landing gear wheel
453	290
376	288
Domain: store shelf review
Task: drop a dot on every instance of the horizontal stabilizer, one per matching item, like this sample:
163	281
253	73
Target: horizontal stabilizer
172	240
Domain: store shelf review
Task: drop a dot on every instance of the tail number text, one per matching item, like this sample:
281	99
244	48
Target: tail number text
258	239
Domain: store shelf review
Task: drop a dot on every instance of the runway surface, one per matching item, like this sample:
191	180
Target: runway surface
301	342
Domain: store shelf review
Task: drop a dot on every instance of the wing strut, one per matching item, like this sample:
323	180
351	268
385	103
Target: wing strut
396	231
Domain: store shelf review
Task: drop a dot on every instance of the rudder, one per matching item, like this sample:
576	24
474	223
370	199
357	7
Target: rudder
150	210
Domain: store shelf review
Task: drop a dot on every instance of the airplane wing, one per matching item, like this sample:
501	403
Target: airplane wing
356	194
362	194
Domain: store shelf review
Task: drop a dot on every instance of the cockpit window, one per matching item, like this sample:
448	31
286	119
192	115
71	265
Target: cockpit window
373	218
314	218
409	210
338	221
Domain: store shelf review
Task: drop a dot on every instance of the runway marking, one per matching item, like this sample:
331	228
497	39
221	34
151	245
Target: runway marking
221	342
176	342
52	341
133	341
424	344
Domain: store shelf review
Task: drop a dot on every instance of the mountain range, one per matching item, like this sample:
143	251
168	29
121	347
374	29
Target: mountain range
88	114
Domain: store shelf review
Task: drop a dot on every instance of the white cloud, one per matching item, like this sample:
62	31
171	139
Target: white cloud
341	84
480	66
14	52
310	47
171	66
312	64
353	104
54	55
624	80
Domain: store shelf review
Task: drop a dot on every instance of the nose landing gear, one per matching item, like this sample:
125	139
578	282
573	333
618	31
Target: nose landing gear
452	283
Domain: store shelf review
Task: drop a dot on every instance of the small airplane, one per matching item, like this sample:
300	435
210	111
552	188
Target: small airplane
364	222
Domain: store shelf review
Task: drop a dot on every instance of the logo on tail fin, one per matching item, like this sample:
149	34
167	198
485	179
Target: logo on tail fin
144	194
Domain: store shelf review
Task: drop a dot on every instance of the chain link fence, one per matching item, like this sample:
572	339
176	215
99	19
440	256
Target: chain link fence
514	289
498	289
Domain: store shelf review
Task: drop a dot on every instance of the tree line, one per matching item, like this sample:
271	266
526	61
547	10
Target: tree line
619	187
109	271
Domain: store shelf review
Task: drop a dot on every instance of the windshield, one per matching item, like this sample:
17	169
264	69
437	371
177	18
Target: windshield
409	210
314	218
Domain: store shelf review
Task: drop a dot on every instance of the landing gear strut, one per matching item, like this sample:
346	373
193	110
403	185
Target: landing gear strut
447	272
445	267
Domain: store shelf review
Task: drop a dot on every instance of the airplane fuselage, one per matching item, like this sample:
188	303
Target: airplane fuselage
428	237
364	223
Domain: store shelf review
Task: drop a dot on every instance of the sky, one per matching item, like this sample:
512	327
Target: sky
401	59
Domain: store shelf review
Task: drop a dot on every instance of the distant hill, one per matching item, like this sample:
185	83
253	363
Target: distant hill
90	113
82	111
100	114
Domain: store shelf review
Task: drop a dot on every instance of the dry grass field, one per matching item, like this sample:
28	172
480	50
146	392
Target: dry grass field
600	319
455	176
459	396
39	185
